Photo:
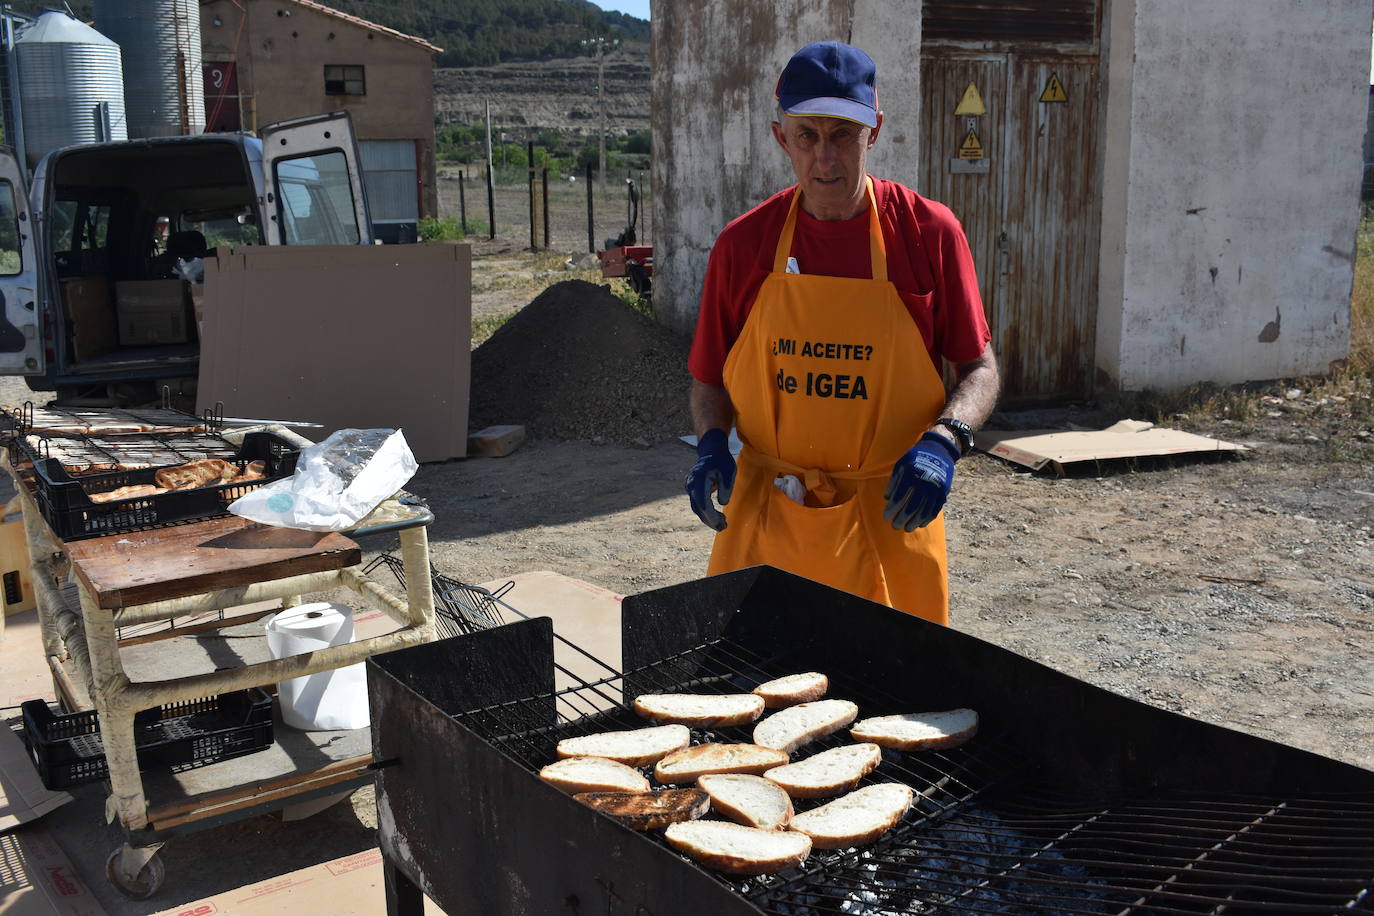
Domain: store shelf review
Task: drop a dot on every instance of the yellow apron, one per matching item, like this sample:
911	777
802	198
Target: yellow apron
831	382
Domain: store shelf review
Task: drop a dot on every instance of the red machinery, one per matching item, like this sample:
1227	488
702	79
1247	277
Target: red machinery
623	258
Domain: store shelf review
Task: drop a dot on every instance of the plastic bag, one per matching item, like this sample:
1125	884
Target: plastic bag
336	484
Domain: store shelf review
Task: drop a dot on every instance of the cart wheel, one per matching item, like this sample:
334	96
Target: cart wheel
144	885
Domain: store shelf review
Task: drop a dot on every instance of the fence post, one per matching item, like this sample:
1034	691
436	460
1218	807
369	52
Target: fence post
462	204
591	229
546	209
491	199
529	158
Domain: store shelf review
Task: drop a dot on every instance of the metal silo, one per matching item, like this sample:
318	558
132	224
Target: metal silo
70	85
164	89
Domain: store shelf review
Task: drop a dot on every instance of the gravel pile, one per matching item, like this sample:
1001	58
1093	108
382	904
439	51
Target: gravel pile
578	363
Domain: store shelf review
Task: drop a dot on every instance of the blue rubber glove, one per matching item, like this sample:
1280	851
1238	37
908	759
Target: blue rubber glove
920	482
714	470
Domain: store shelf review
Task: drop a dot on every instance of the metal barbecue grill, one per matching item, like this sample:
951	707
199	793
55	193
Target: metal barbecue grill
1069	800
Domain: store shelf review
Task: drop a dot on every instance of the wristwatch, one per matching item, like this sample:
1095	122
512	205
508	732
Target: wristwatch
963	433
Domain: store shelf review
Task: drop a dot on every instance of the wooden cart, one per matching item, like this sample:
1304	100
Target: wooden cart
89	590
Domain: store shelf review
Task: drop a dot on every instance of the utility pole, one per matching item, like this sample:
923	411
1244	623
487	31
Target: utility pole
601	47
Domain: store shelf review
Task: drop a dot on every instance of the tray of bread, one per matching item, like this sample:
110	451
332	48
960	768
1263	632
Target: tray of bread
82	455
157	486
100	421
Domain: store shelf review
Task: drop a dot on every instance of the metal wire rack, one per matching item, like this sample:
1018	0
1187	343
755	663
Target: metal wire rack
986	834
459	608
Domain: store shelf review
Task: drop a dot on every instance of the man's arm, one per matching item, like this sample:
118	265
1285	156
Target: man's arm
711	408
978	382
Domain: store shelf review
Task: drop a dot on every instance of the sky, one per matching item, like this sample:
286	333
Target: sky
639	8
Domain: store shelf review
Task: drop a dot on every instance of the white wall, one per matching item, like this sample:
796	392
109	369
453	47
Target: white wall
1231	189
715	65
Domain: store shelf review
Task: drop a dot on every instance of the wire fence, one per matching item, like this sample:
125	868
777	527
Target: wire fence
564	215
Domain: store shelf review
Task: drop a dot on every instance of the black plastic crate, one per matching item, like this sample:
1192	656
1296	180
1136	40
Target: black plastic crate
65	500
67	748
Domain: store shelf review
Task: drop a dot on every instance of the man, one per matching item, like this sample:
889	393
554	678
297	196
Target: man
825	317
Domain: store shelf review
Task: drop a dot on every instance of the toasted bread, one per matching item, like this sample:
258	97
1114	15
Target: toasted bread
130	492
920	731
690	764
649	810
738	850
855	819
593	774
192	474
797	726
831	772
700	711
793	689
749	800
636	747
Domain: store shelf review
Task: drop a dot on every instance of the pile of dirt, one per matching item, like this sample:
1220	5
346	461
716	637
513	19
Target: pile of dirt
579	363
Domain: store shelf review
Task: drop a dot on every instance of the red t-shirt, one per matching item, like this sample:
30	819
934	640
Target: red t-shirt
926	251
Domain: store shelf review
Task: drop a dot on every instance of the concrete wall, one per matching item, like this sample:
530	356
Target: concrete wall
715	65
281	63
1231	189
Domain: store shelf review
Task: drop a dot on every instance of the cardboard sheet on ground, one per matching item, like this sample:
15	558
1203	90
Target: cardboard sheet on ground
1058	449
37	878
349	886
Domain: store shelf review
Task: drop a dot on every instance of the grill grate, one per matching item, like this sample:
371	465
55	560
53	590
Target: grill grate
988	833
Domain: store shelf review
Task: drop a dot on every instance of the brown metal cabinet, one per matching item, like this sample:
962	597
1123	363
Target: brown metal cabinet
1023	176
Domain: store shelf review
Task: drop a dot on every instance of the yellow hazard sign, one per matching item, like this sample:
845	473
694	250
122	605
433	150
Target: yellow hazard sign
972	147
971	103
1054	90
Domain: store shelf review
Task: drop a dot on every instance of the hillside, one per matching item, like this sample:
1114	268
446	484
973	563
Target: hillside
475	33
559	94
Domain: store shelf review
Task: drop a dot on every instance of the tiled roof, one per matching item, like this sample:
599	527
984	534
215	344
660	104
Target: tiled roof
363	23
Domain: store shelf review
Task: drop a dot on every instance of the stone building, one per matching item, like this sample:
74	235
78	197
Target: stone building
1157	192
269	60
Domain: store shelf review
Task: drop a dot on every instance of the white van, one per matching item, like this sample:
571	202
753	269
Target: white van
97	259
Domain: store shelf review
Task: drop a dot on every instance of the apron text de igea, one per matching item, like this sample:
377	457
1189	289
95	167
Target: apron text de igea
825	385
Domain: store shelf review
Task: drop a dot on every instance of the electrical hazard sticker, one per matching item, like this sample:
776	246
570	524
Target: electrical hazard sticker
972	147
1054	90
971	103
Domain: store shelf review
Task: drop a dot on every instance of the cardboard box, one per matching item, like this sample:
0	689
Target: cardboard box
90	316
16	591
361	336
151	312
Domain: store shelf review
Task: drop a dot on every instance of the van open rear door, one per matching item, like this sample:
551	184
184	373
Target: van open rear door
21	337
314	182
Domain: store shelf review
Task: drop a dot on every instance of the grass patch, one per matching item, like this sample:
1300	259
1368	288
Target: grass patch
483	326
1362	299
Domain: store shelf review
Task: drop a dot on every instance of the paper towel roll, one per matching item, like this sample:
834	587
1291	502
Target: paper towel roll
327	700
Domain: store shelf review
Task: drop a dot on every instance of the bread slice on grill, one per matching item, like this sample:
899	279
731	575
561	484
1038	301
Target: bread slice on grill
749	800
738	850
636	747
649	810
793	689
796	726
690	764
828	773
919	731
698	710
855	819
593	774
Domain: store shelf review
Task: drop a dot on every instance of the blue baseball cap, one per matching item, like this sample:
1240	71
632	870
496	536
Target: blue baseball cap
830	79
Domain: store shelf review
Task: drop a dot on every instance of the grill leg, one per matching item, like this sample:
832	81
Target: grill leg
403	898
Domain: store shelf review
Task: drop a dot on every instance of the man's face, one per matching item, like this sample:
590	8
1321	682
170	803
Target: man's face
830	157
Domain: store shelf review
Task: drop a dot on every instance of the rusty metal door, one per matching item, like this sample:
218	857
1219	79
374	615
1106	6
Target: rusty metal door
1029	205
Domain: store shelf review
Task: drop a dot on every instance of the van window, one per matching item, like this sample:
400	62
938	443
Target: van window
80	234
315	202
11	260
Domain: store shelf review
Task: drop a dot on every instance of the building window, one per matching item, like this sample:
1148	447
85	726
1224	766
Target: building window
340	80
